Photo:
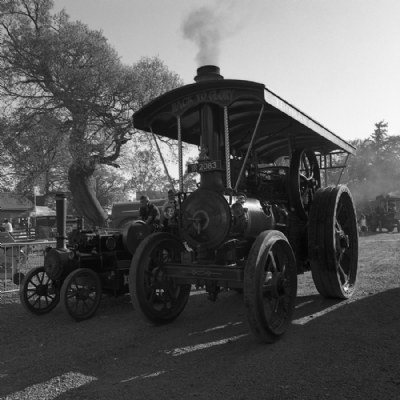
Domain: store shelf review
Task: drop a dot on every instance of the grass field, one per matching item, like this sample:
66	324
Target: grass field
379	263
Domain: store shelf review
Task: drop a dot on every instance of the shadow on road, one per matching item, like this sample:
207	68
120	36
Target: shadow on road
335	342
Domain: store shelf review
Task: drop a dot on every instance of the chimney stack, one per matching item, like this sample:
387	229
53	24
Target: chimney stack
208	73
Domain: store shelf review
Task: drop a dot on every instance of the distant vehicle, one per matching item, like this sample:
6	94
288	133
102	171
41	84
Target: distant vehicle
384	213
46	226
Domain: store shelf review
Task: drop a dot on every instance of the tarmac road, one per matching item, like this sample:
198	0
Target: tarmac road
333	350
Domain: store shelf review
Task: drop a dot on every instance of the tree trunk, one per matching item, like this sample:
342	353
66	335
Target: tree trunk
83	195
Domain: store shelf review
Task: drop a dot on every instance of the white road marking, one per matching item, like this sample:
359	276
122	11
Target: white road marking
144	376
52	388
304	304
215	328
311	317
179	351
197	292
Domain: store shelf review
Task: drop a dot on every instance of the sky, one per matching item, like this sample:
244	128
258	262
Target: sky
336	60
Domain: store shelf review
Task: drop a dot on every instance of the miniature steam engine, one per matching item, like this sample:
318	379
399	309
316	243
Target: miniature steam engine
78	271
260	215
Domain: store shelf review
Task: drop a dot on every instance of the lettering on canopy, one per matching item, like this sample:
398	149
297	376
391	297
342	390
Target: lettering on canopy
223	97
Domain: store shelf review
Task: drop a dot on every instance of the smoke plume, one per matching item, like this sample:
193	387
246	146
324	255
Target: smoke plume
208	26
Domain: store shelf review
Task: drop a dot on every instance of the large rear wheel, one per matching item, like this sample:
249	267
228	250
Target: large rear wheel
159	298
270	286
333	242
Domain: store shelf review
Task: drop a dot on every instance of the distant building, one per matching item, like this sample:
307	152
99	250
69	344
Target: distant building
15	206
18	209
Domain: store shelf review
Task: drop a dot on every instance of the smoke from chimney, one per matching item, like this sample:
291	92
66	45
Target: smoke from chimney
201	26
208	26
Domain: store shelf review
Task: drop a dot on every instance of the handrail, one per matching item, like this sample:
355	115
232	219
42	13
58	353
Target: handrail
27	243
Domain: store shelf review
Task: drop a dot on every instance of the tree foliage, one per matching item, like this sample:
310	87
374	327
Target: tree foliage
375	166
110	186
34	153
66	105
49	64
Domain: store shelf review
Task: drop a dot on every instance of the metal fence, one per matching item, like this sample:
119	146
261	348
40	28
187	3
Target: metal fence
17	259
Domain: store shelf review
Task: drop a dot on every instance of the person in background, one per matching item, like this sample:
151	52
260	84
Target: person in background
149	213
170	213
7	226
363	224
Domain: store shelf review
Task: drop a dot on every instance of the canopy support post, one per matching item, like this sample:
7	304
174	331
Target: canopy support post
253	136
162	159
180	157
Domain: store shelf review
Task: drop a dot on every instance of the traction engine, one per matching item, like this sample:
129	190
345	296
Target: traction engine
79	270
259	216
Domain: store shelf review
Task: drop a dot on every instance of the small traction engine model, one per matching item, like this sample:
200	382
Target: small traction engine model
78	271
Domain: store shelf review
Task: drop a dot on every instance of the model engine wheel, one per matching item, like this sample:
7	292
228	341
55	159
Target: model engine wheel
152	291
333	242
81	293
38	293
270	286
304	180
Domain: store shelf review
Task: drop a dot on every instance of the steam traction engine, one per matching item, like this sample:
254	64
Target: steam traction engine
259	216
78	271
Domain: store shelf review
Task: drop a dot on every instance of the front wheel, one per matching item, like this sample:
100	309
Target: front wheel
81	293
159	298
270	286
38	293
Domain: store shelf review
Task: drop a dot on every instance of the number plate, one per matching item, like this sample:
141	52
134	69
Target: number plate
204	166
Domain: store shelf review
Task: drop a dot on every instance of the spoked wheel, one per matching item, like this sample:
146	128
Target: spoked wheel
153	292
304	179
81	293
270	286
38	293
333	242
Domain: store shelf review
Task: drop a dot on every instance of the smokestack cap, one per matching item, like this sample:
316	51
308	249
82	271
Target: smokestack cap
208	73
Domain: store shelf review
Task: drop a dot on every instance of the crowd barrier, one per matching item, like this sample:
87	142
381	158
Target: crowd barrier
16	259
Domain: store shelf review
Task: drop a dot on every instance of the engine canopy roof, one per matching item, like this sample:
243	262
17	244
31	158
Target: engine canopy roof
283	128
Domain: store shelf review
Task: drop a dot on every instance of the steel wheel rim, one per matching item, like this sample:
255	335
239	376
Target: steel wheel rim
160	292
82	295
343	233
40	294
275	292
